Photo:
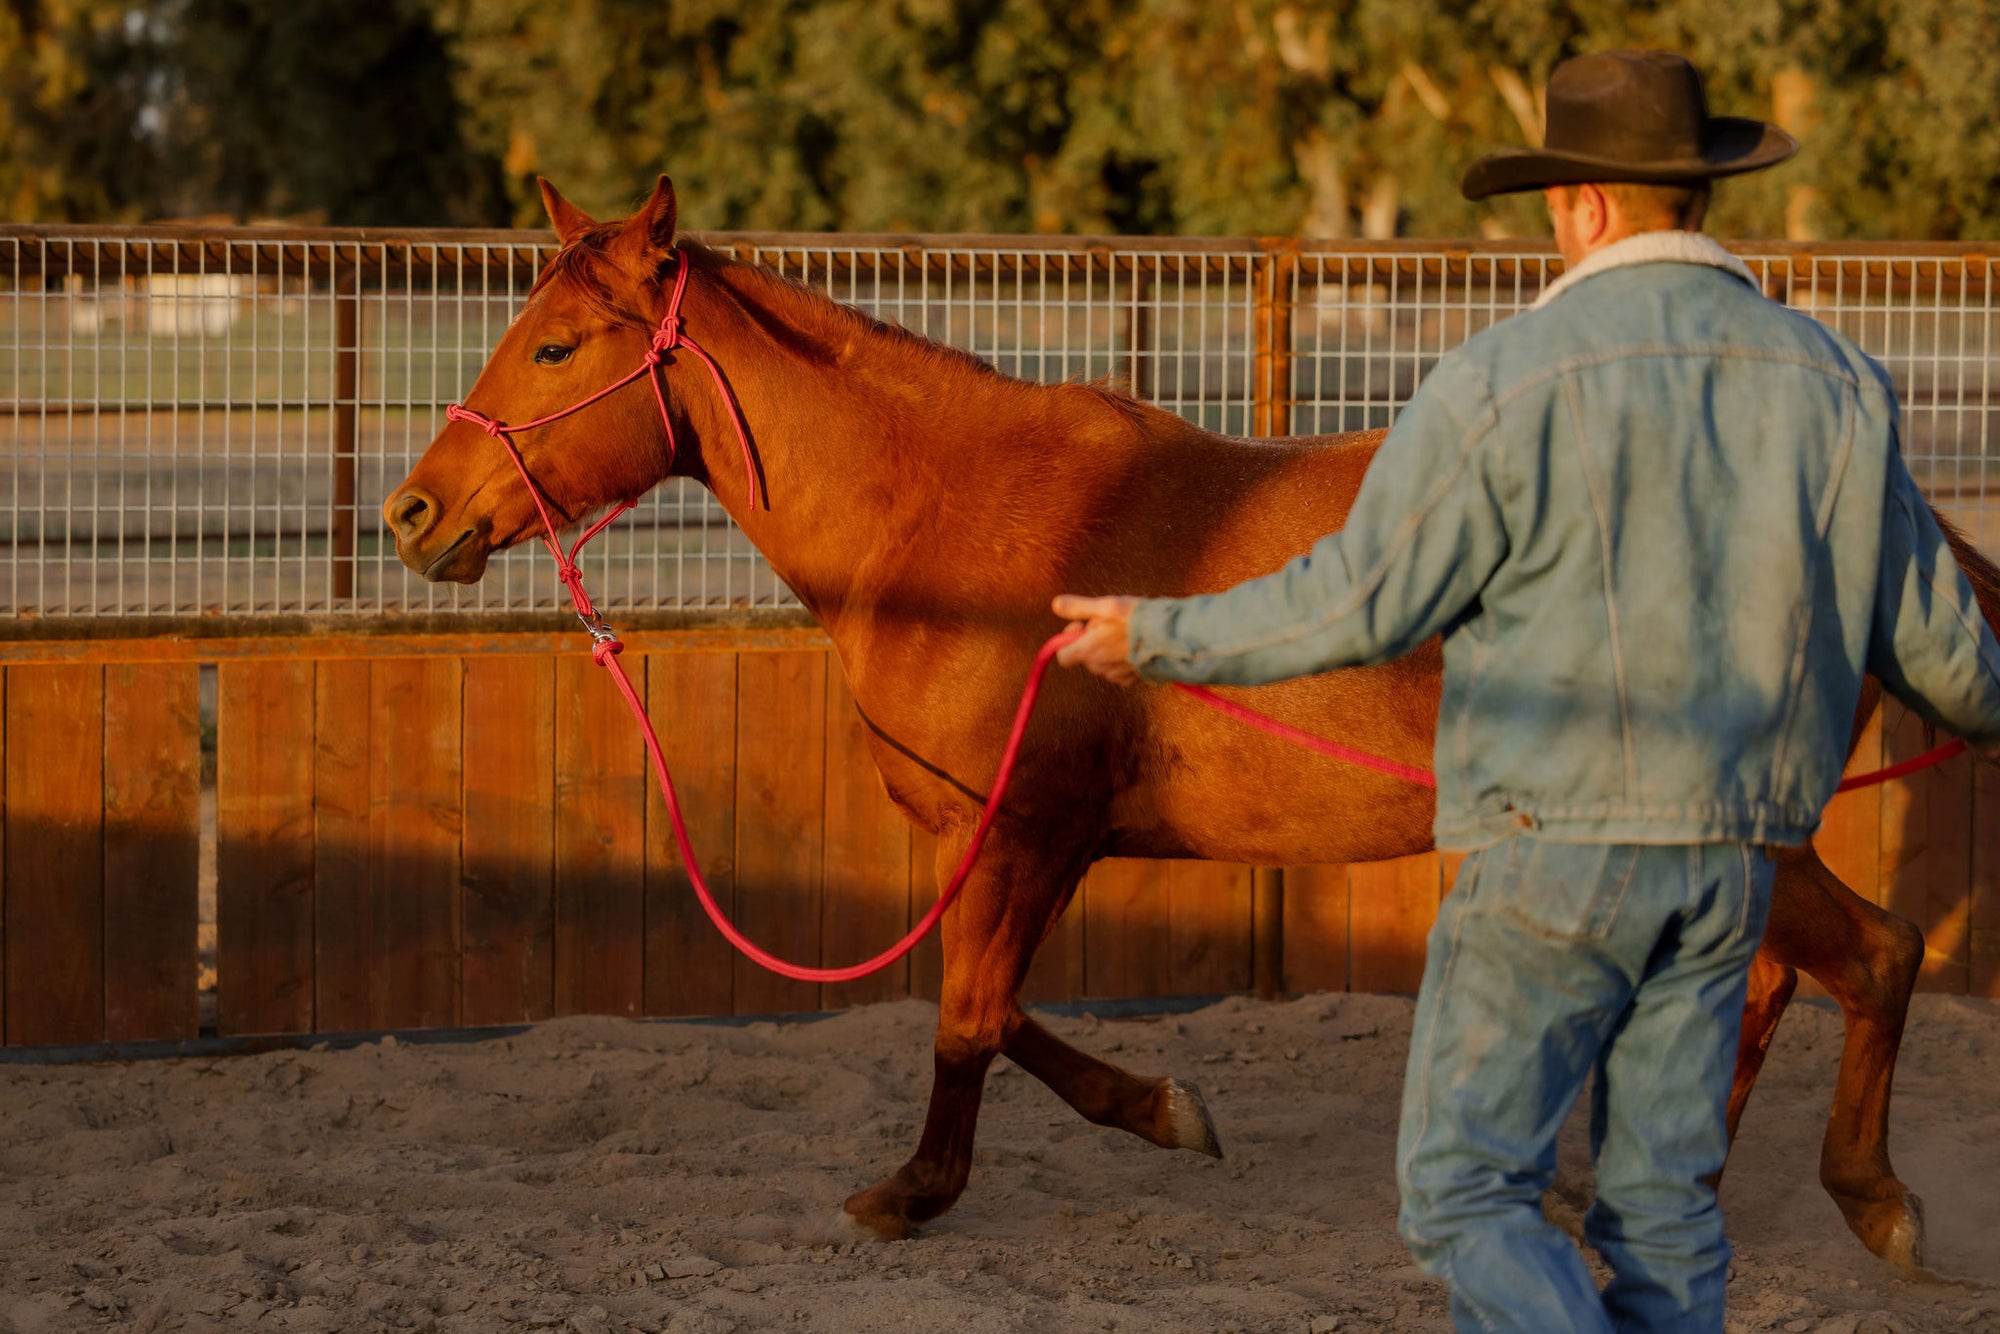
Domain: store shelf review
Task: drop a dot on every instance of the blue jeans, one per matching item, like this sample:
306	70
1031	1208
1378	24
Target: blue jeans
1548	961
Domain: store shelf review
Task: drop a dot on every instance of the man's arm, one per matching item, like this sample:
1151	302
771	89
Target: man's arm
1930	643
1423	537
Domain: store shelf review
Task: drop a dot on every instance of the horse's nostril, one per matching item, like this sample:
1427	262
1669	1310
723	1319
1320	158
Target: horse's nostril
409	513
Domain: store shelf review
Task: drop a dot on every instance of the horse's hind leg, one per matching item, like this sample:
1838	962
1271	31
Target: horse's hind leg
1166	1112
1867	959
990	934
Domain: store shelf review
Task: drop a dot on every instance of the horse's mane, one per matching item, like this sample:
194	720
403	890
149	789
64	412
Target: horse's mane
797	312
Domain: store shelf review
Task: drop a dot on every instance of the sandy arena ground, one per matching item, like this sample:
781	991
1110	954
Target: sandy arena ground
596	1174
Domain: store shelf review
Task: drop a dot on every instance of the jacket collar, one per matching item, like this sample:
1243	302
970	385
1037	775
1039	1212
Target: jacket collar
1673	247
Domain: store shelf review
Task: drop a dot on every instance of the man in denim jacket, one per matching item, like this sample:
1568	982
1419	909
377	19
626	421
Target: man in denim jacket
1664	527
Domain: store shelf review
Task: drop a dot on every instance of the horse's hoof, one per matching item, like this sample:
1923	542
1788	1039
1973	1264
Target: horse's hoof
845	1227
1185	1117
1892	1228
866	1217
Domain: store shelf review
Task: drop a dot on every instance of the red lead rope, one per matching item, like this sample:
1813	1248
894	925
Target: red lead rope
605	648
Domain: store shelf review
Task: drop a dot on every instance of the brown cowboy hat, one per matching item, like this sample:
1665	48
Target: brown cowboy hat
1630	116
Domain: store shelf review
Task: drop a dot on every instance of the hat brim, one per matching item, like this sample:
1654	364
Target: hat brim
1736	144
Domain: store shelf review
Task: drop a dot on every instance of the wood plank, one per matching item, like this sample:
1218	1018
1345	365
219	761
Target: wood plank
600	840
865	877
152	850
1984	892
780	795
508	905
1391	907
327	639
1209	927
264	847
1316	928
414	822
1128	938
55	854
346	932
691	697
1927	852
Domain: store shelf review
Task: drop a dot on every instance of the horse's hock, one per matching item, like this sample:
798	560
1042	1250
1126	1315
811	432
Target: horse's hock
193	499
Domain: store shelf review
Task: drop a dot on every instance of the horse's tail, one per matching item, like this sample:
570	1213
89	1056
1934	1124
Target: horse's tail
1983	573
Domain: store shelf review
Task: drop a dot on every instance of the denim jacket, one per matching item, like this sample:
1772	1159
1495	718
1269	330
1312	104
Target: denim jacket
1664	527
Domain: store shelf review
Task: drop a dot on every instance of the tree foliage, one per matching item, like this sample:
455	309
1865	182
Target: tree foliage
1249	117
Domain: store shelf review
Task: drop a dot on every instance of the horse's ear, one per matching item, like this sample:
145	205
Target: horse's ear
655	222
568	218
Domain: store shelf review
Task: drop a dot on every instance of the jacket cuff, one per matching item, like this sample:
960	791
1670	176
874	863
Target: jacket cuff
1155	651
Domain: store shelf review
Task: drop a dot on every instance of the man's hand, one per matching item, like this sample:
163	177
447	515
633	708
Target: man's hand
1106	646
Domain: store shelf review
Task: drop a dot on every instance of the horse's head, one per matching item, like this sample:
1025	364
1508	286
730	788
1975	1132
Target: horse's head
588	322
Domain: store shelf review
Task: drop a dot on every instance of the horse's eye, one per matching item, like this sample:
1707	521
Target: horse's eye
552	354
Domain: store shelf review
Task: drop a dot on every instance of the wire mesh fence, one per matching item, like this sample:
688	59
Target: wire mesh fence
206	422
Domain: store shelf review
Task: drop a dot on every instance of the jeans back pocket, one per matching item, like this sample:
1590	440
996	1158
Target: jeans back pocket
1566	891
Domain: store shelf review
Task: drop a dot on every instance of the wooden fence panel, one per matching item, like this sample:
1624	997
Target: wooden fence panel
419	841
414	831
691	698
780	785
1983	906
346	933
1391	906
1128	939
508	850
1316	928
600	846
865	879
152	849
55	854
264	846
1208	909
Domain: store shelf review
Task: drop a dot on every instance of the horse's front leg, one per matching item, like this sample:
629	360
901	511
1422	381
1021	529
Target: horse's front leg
1166	1112
1009	902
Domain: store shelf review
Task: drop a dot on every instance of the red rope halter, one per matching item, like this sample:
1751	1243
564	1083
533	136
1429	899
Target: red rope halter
605	648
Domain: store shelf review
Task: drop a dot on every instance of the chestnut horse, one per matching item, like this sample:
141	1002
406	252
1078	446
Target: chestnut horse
925	508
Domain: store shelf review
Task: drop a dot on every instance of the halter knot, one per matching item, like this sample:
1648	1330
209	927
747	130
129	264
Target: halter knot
457	413
665	339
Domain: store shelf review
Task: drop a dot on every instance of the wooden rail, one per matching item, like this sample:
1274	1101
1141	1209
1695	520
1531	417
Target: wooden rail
388	853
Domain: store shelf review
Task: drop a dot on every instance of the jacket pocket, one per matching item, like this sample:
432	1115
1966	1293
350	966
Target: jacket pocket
1564	891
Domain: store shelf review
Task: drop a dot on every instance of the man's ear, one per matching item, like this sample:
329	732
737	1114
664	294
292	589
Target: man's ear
568	218
655	220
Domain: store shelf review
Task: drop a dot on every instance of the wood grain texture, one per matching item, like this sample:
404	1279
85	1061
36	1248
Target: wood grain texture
865	874
1209	922
264	847
1983	910
414	829
691	698
1391	907
1316	942
600	836
508	850
152	850
54	848
1128	933
780	790
346	933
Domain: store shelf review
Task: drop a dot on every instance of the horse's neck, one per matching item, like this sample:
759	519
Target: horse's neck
875	457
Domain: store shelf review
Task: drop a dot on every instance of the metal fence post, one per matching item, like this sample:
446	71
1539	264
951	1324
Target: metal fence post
346	417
